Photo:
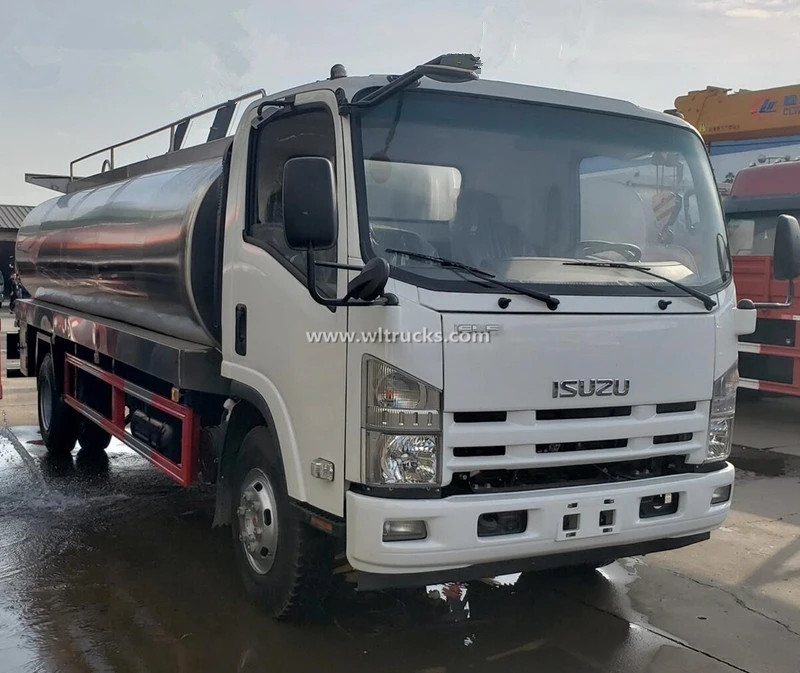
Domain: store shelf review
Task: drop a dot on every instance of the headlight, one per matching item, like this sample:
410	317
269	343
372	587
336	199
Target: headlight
402	428
723	409
402	459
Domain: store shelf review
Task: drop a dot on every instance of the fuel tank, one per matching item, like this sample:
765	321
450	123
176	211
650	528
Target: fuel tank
145	251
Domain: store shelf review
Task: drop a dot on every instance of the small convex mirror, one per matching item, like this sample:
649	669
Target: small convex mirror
369	284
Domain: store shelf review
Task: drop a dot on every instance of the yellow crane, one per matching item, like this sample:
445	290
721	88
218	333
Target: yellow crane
721	115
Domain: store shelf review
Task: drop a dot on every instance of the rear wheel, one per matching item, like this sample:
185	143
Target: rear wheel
97	395
58	423
285	565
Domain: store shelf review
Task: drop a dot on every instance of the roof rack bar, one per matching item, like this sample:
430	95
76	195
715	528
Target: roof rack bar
178	134
177	130
222	120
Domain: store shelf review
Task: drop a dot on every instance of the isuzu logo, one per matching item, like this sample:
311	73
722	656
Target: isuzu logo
591	388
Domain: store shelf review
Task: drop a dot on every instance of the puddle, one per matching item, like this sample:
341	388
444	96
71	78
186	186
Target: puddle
119	570
764	463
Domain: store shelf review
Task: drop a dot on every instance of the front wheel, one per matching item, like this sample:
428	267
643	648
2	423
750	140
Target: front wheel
92	437
58	422
587	568
284	564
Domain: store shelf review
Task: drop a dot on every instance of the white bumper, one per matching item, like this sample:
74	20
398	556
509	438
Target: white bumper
452	523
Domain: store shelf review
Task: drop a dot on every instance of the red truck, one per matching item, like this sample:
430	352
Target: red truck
769	358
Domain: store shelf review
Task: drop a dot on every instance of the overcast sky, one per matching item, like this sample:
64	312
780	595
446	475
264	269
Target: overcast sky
78	75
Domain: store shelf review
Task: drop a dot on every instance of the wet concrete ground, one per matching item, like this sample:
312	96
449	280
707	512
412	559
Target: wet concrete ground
107	566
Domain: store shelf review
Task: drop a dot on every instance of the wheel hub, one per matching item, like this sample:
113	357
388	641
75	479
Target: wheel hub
258	521
45	407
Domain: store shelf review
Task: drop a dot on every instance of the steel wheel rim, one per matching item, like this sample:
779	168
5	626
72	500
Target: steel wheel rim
258	521
45	407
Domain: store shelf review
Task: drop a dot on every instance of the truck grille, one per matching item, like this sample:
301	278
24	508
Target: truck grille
550	448
480	416
569	475
574	414
673	439
582	446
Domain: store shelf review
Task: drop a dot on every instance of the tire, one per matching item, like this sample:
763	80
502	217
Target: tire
97	395
284	564
92	437
58	423
590	567
583	568
566	572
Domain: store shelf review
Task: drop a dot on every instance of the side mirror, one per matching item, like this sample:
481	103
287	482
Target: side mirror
309	203
370	283
786	258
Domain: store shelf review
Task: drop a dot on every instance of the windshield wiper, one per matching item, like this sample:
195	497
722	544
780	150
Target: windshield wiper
708	302
552	302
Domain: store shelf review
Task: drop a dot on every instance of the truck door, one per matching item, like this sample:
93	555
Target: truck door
269	318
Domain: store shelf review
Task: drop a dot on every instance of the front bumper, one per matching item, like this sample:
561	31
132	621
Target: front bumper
452	523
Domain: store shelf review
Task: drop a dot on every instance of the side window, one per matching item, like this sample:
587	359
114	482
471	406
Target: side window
741	236
302	134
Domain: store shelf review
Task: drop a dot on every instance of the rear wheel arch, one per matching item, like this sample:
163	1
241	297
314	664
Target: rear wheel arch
42	346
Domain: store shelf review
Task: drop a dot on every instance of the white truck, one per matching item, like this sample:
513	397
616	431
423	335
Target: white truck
413	326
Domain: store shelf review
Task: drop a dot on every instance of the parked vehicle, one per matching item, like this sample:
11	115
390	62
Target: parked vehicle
425	328
769	358
752	137
743	128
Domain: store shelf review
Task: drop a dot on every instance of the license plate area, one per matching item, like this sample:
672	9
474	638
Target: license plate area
591	517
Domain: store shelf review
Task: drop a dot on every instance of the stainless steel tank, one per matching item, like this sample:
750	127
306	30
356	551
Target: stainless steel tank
145	251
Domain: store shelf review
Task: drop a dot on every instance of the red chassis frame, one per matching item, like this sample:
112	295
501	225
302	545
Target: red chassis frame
184	472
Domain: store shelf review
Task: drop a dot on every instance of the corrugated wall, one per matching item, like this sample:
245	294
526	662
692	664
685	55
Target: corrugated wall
11	216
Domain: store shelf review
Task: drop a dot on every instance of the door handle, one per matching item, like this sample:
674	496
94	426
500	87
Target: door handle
240	343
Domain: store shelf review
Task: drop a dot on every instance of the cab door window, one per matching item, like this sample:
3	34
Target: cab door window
299	134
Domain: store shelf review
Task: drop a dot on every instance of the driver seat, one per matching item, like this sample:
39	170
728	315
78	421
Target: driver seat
612	211
479	234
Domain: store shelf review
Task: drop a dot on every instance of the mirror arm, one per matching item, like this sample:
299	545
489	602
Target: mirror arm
786	304
387	299
336	265
311	273
441	68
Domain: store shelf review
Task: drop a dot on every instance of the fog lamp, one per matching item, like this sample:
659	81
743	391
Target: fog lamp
721	494
397	531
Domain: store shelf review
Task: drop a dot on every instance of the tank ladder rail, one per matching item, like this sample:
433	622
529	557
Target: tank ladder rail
177	131
185	471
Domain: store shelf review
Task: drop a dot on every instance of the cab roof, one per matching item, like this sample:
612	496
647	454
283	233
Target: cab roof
496	89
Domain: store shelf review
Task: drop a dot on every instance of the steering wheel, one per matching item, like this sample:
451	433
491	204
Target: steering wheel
631	252
401	239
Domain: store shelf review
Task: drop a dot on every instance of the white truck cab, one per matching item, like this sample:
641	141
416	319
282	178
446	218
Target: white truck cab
465	328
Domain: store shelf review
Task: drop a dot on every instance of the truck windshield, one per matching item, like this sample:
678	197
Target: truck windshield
515	189
754	233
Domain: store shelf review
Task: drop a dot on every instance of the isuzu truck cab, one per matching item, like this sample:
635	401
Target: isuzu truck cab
419	328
